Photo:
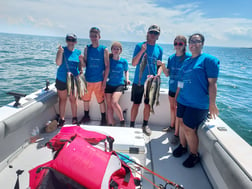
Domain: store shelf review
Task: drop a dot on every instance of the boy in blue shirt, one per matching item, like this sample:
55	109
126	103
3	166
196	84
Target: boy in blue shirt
154	54
96	58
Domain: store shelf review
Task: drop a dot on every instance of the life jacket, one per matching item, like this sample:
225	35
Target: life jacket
80	165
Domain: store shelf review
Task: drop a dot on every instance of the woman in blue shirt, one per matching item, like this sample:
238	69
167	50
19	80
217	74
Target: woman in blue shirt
175	62
115	83
197	89
68	59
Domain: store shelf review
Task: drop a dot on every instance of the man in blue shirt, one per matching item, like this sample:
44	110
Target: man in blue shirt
196	92
154	53
96	58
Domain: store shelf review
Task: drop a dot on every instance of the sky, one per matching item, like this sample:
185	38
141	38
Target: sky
222	22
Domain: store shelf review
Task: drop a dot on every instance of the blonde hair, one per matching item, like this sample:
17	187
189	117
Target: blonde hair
115	44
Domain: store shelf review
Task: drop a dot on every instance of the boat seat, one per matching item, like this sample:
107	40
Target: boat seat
2	130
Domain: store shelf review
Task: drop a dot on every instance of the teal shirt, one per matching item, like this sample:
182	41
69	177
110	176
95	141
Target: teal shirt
116	72
193	80
95	63
174	65
70	63
154	53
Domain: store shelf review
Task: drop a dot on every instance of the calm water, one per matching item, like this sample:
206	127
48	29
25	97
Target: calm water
27	61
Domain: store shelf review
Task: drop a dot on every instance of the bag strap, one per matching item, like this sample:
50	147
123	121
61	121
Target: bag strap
18	172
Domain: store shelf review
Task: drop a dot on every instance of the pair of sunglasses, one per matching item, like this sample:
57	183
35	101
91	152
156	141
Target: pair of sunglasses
178	43
154	32
71	40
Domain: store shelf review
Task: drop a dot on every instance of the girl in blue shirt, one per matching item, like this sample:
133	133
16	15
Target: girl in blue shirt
175	63
115	83
68	59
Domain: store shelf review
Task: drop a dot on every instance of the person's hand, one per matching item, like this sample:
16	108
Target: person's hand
160	63
144	47
128	82
213	111
60	49
151	76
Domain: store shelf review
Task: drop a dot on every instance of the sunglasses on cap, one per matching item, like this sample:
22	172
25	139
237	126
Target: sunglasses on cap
195	41
154	32
178	43
70	39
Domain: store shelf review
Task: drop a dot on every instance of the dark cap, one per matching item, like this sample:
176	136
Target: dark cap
154	28
95	30
71	35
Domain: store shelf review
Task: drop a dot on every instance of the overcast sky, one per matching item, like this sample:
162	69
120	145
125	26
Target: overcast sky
224	23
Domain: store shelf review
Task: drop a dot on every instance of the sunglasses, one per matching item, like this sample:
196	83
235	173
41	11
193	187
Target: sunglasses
195	41
116	48
178	43
154	32
71	40
93	36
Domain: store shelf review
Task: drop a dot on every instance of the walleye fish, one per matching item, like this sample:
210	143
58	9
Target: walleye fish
74	87
158	90
147	86
152	94
81	85
142	67
69	83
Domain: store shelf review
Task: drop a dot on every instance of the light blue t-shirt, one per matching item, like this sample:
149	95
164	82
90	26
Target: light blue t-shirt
70	63
174	65
193	80
95	63
154	53
116	72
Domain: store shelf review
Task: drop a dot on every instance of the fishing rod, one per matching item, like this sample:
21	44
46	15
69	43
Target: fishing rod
177	186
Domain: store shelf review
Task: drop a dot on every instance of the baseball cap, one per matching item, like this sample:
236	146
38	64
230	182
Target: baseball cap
95	30
154	27
71	35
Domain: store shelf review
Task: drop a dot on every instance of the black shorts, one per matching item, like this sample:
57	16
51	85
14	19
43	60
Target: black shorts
112	89
60	85
137	94
172	94
192	117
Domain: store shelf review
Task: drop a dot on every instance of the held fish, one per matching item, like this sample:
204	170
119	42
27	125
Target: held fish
152	94
69	83
81	85
158	90
142	67
147	86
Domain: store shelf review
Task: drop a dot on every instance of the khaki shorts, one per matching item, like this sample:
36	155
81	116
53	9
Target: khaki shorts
97	89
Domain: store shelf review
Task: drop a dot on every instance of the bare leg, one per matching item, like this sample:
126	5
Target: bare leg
73	102
182	137
173	110
102	107
177	124
109	108
115	105
134	112
86	106
62	103
146	112
191	138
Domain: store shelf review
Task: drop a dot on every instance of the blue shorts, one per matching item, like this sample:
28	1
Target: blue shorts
192	117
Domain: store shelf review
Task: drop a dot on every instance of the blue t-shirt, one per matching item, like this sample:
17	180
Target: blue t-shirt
154	53
193	80
95	63
174	65
117	69
70	63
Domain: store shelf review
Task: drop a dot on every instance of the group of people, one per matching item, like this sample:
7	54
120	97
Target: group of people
192	84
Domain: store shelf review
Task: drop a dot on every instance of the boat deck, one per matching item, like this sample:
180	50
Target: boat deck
159	159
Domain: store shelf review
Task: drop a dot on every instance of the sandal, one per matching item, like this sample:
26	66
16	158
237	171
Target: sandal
169	129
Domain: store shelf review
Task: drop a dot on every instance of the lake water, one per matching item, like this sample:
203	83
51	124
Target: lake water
27	61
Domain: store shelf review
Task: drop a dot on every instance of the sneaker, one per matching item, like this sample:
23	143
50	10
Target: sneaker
61	123
103	122
146	130
85	119
169	129
179	151
191	161
175	140
74	120
122	123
